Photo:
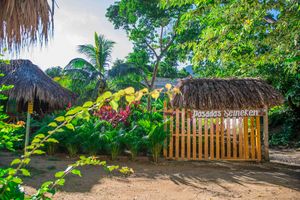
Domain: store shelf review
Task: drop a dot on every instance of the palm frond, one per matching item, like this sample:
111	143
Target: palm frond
80	63
104	49
89	51
85	73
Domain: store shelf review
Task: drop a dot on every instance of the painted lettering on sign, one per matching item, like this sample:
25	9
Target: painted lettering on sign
226	113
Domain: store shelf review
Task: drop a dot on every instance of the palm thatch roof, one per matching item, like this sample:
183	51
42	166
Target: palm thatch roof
32	84
24	22
220	94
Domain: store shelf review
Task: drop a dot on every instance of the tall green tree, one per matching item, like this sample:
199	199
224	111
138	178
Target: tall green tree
246	38
92	69
124	74
151	28
54	71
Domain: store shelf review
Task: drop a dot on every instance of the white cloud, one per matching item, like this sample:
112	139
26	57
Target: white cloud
75	23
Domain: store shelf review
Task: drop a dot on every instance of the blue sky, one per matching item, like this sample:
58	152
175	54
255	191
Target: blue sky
75	23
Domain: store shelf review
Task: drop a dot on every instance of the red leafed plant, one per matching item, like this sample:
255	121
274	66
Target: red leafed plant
107	113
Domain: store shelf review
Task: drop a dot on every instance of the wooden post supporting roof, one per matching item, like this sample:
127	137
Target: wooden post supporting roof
29	112
266	136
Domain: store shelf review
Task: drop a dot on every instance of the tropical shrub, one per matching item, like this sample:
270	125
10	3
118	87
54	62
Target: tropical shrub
114	139
284	127
134	140
114	117
8	132
155	140
91	134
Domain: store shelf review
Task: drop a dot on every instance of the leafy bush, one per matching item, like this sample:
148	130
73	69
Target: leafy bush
91	136
134	141
155	140
114	139
107	131
284	127
109	114
8	132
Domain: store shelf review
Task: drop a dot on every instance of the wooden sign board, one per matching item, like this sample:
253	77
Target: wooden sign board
30	107
227	113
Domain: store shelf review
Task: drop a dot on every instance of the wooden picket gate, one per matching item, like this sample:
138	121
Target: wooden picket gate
218	138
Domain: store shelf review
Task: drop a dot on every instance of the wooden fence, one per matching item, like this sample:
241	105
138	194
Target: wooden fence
215	138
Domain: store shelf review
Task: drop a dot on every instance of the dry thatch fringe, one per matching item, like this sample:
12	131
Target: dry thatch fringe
221	94
31	83
24	22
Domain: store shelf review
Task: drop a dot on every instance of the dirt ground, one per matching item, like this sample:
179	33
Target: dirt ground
169	180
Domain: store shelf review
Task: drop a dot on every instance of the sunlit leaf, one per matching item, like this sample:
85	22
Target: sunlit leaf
76	172
38	152
59	174
87	104
46	184
26	161
129	98
52	140
74	111
17	180
129	90
41	136
114	105
25	172
60	119
104	96
70	126
15	161
60	182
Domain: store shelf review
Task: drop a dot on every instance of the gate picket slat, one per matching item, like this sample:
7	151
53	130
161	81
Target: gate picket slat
211	138
165	150
217	139
194	139
205	139
183	133
222	139
177	135
246	146
252	139
258	143
171	137
228	138
188	135
241	141
200	151
234	138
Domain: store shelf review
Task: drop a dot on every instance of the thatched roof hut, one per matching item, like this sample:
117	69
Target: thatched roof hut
25	22
221	94
32	84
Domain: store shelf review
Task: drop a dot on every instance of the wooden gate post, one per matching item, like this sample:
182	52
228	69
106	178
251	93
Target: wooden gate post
266	135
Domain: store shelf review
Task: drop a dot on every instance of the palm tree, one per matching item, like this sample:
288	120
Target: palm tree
93	69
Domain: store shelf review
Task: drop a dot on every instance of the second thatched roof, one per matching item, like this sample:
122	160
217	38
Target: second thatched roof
221	94
31	83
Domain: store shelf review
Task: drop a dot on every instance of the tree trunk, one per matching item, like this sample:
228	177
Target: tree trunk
152	83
